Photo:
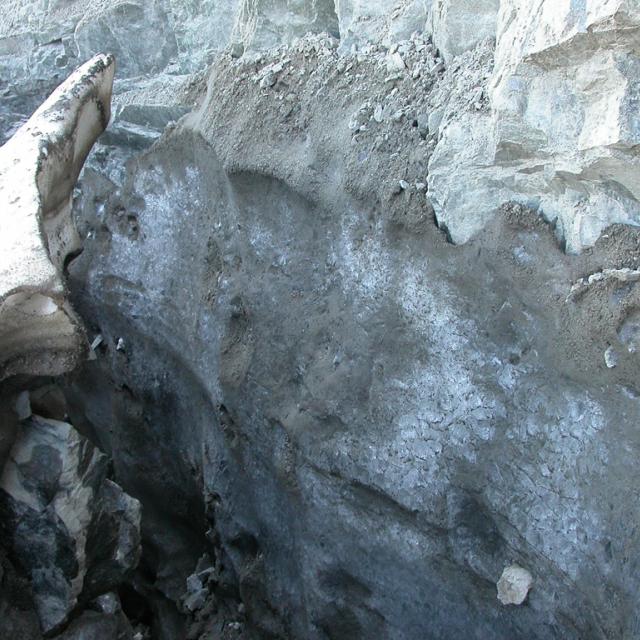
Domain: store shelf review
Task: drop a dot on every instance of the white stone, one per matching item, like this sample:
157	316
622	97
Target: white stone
514	585
611	358
395	62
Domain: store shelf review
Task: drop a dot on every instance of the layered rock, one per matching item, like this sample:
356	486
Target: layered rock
459	25
561	134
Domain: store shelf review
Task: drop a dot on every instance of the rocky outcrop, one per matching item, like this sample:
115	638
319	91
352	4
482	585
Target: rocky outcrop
561	133
460	25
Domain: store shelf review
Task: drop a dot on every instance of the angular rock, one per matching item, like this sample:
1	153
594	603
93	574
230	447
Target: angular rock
460	25
577	153
266	23
123	29
94	625
73	531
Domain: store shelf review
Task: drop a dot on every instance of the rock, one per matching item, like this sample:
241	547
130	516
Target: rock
395	63
578	57
611	358
629	331
387	21
269	80
460	25
92	625
514	585
75	533
38	170
23	406
48	401
267	23
121	28
423	125
18	618
434	121
544	51
196	600
236	50
108	603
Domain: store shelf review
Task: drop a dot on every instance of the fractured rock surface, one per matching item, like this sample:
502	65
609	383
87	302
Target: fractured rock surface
558	134
73	531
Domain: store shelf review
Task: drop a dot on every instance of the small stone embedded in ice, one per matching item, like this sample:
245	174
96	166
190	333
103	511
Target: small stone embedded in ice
611	358
23	406
120	345
514	585
236	49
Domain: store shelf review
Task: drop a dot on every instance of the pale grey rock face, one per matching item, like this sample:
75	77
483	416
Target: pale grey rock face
137	33
95	626
385	21
73	531
561	135
460	25
565	84
266	23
